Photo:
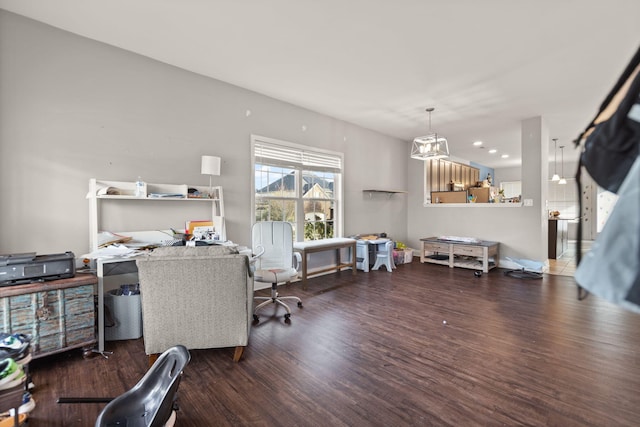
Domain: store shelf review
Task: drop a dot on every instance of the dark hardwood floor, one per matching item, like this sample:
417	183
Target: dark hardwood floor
425	345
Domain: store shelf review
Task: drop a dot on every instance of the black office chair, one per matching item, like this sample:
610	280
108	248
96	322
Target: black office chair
151	402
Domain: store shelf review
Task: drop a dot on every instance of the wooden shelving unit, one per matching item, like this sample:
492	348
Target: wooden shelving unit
474	255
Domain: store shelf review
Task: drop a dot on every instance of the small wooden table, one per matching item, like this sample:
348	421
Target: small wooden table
337	244
473	255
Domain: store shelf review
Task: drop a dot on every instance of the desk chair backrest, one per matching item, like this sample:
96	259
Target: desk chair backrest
276	238
150	402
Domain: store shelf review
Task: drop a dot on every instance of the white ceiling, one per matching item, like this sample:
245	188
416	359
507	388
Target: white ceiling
484	65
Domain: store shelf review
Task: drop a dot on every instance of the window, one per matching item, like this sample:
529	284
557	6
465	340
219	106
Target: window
298	184
511	188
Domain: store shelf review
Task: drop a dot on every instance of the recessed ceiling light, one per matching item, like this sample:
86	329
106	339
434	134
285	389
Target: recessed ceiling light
477	143
504	156
493	151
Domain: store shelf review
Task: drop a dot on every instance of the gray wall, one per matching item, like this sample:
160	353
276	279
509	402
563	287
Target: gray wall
72	109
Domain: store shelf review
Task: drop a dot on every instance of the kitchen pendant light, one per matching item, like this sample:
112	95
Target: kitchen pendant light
555	177
430	146
562	181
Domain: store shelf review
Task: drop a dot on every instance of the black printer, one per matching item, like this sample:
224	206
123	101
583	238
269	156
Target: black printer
16	269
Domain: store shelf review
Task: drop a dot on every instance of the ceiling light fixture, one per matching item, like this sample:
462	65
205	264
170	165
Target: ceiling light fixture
493	151
562	180
430	146
555	176
505	156
477	143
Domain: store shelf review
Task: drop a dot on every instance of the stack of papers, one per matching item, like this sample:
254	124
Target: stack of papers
106	238
113	251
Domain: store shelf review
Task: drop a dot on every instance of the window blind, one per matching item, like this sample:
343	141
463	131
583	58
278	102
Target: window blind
288	156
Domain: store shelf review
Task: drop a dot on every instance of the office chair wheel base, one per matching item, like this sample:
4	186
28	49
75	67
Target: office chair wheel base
287	318
256	319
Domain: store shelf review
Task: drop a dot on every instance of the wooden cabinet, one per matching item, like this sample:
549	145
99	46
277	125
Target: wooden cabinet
482	194
558	237
441	172
59	314
476	255
448	197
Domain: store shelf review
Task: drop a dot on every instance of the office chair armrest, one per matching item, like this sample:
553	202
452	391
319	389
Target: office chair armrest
254	257
298	261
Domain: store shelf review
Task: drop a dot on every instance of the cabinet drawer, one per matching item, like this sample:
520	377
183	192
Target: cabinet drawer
467	250
436	247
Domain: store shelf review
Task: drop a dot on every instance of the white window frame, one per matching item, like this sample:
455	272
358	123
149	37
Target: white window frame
301	158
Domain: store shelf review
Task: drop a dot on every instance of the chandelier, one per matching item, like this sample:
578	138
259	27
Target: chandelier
430	146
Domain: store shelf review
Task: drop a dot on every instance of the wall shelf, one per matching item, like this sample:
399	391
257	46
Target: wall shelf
387	192
121	194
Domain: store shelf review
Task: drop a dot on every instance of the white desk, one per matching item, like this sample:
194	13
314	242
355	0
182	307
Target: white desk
118	266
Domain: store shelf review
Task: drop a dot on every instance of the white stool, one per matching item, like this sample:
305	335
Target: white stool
385	257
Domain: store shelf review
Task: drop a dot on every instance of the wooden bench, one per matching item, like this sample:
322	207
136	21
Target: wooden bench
336	243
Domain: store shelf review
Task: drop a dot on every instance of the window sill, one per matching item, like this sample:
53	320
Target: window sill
472	205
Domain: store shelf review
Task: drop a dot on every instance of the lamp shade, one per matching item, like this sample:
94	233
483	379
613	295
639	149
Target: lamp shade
210	165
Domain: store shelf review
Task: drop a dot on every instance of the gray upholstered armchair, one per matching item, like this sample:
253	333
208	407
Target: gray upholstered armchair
199	297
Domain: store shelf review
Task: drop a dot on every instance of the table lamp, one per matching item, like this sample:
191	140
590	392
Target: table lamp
210	166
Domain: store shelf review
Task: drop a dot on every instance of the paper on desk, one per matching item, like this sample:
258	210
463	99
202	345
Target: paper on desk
459	239
105	190
106	238
112	251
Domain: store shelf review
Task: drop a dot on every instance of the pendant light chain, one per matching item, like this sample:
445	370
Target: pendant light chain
555	156
555	176
562	179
